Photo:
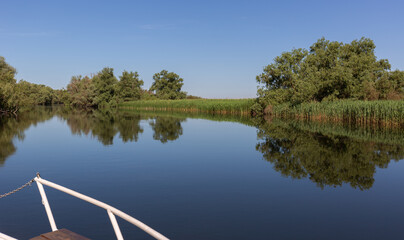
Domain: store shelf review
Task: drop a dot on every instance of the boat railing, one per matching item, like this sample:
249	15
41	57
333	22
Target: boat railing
6	237
112	212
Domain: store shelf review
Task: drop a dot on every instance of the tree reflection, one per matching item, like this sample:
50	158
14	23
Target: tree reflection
129	127
104	125
328	156
326	159
101	125
14	127
7	135
166	128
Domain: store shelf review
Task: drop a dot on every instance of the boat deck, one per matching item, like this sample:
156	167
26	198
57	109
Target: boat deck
61	234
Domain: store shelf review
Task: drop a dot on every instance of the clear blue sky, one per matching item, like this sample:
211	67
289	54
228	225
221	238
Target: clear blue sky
218	47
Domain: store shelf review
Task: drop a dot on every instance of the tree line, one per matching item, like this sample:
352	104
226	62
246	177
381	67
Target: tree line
105	90
329	71
100	90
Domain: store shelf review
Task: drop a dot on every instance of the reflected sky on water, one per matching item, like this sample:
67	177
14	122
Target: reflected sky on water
194	176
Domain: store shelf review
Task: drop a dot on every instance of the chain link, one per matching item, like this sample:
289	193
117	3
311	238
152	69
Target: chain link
18	189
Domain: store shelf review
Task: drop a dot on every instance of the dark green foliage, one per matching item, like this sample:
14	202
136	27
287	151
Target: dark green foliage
105	84
14	95
81	92
7	83
147	95
61	97
103	90
129	86
329	71
7	72
26	94
167	85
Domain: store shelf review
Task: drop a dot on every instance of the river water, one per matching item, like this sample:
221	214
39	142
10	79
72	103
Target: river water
193	176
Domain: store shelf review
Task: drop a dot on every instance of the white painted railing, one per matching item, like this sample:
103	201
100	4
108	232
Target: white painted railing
6	237
110	210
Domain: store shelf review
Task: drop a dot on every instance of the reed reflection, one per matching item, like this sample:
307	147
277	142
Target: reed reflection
326	157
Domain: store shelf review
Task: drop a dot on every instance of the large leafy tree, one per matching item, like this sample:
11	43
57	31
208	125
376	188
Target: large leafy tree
167	85
7	82
328	71
81	91
14	95
129	86
105	87
26	94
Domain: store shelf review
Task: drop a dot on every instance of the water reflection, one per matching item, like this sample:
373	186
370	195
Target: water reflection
166	128
12	127
316	151
103	125
328	155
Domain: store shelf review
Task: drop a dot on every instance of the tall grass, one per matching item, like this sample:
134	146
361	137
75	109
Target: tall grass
223	106
236	118
351	111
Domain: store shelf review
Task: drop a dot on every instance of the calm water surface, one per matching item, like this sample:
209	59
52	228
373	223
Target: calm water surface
202	177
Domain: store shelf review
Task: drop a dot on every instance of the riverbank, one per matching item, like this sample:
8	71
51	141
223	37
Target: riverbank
220	106
381	112
364	113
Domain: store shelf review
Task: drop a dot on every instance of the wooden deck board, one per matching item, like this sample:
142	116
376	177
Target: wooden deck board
61	234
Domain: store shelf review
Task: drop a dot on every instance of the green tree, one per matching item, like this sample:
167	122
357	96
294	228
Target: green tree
45	95
7	82
129	86
280	79
167	85
329	71
81	92
105	84
14	95
391	86
61	97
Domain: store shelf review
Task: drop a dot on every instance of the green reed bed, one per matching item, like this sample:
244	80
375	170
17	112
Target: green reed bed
358	112
223	106
237	118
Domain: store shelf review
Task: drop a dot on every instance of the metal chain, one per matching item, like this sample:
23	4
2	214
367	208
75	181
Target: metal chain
18	189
